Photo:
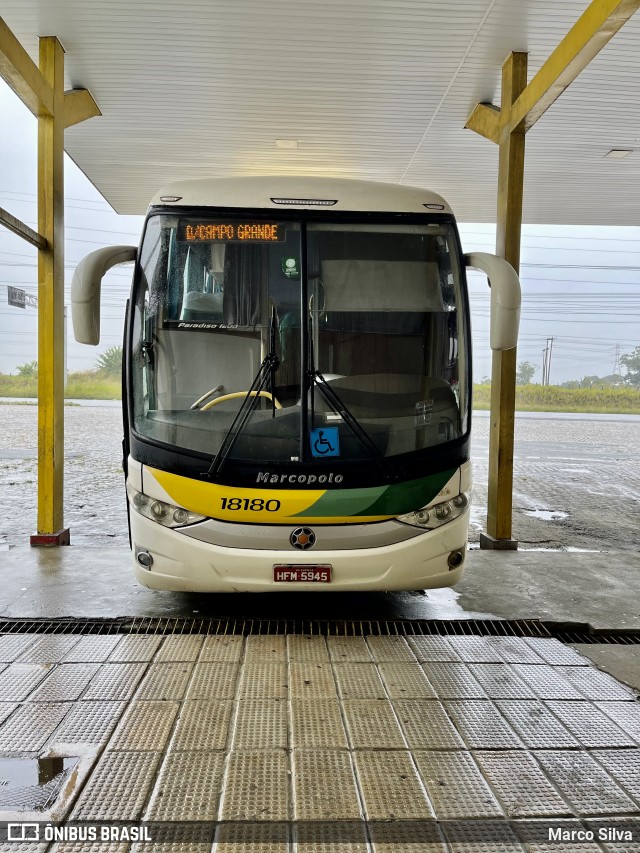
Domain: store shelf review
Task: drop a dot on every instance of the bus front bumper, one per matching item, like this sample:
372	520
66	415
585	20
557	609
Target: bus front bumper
182	564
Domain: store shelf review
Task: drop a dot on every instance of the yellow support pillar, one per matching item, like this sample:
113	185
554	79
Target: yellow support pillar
521	107
51	302
503	372
41	89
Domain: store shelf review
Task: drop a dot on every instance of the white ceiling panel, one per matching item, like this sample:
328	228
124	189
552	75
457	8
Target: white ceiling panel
370	89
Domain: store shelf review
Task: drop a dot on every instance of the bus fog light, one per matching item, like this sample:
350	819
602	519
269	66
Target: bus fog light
145	559
455	559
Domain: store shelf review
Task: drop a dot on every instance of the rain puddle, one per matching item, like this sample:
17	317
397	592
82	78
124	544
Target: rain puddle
564	549
546	514
33	784
443	604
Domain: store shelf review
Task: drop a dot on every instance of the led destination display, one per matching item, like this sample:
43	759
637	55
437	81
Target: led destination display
231	232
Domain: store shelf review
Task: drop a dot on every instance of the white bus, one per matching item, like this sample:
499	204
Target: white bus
297	384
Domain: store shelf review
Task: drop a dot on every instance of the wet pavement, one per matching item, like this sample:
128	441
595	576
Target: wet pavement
95	508
347	744
96	582
352	744
576	478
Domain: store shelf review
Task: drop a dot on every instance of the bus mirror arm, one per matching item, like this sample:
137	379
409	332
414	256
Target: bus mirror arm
505	298
85	289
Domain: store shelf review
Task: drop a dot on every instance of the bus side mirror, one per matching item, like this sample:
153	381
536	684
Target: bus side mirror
85	290
505	298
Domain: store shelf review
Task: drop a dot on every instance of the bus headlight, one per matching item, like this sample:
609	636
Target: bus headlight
166	514
438	514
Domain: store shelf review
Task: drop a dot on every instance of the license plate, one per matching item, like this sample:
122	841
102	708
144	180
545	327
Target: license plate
319	573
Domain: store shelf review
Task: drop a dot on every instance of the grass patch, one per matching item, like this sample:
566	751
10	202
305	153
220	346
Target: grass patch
87	385
91	385
551	398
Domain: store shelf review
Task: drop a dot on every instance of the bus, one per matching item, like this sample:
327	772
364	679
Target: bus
297	384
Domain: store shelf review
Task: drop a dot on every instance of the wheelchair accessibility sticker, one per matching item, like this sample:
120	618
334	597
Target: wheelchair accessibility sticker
325	442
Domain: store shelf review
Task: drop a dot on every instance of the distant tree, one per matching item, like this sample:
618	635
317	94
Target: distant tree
612	380
524	373
590	381
486	380
631	362
109	363
30	368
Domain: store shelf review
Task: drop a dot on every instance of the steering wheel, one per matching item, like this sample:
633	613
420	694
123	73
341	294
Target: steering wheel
238	394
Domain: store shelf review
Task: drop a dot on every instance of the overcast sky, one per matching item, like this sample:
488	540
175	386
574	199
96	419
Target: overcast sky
581	285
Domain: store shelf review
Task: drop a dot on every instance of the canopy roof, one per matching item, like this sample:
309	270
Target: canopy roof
368	89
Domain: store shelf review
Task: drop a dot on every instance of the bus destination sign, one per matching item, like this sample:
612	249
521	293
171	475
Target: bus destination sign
231	232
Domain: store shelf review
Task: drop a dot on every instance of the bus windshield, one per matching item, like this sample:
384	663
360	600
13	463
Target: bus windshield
362	325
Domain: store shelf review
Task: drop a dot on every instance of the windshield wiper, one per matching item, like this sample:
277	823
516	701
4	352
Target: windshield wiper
265	375
316	379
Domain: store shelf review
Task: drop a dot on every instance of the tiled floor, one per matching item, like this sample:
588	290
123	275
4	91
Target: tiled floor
438	744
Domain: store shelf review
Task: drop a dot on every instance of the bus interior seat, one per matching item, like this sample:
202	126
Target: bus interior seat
203	307
376	314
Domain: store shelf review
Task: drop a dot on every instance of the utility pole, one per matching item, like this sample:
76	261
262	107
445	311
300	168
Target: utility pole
546	361
617	369
550	344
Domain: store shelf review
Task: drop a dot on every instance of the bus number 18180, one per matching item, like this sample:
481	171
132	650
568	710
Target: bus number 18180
250	504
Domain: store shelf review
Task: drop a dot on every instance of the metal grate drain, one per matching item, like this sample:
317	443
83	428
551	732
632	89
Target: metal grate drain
162	626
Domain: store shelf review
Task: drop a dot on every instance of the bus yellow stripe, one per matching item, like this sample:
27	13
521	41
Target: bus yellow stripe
212	499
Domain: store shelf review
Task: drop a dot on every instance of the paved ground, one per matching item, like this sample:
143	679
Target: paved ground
556	586
94	486
439	744
577	478
560	587
421	744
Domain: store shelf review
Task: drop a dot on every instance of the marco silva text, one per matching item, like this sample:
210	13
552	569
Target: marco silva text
602	833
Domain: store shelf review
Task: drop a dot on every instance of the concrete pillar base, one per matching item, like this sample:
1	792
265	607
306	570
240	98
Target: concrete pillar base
61	537
490	543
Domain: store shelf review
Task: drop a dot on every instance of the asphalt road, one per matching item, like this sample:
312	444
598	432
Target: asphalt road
576	478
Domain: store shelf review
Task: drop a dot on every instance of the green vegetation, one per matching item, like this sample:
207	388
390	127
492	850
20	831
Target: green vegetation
551	398
92	385
613	379
30	368
631	362
109	363
88	385
102	383
524	373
